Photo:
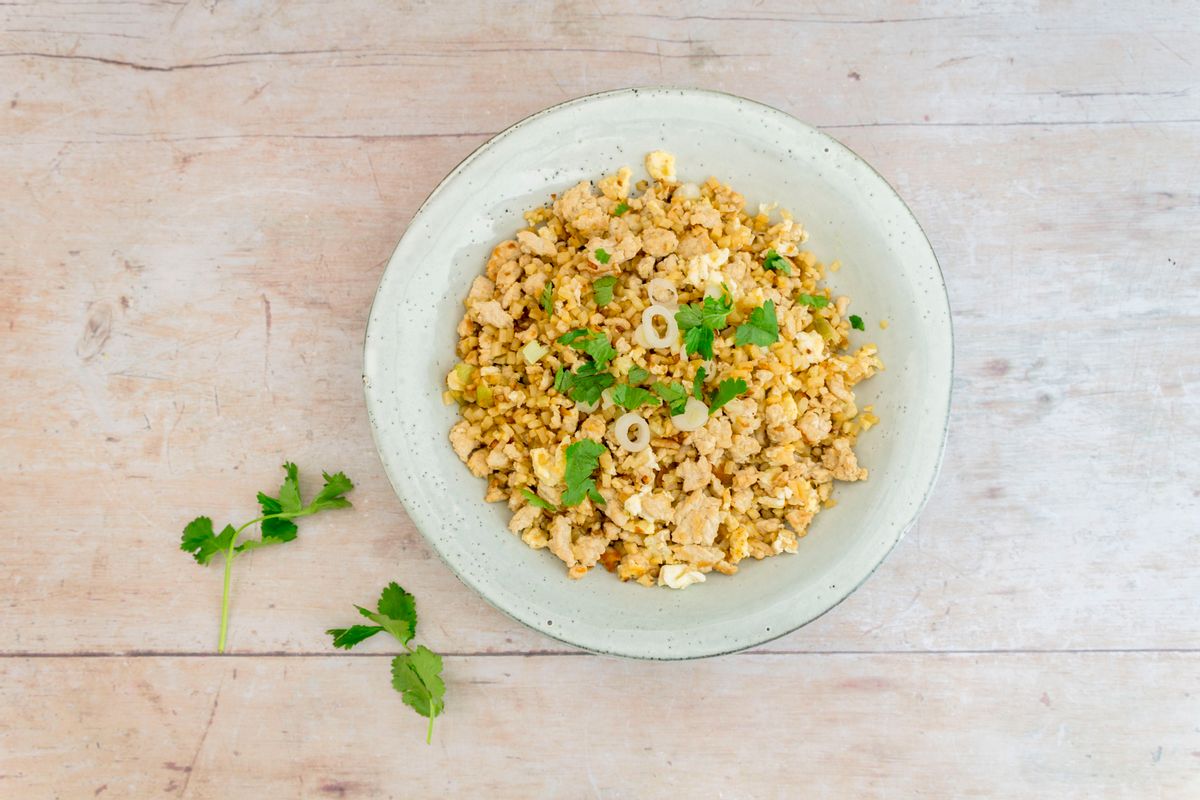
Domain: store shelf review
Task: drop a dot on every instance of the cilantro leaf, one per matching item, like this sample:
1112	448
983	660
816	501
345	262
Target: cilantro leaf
548	298
688	316
582	459
637	374
631	397
761	329
856	322
726	391
698	383
535	500
673	394
289	492
715	310
585	384
621	208
602	255
602	289
813	300
346	638
699	341
418	678
199	540
777	262
594	343
331	493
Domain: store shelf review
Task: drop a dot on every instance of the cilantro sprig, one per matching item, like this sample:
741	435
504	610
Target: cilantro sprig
698	383
813	300
593	343
761	329
700	322
777	262
277	524
582	459
416	674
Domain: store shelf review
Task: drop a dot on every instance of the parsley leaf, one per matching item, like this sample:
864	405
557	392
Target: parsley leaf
698	384
761	329
726	391
276	523
548	298
715	310
637	374
416	674
777	262
535	500
582	459
813	300
688	316
602	289
631	397
602	255
418	678
857	323
594	343
621	208
673	394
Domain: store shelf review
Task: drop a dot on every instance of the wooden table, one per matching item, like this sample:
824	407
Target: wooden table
198	201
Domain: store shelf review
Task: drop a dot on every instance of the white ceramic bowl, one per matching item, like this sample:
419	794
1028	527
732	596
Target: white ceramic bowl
889	271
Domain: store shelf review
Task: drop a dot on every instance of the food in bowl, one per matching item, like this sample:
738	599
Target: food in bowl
658	382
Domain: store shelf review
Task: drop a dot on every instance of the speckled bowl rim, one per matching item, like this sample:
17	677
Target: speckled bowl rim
416	517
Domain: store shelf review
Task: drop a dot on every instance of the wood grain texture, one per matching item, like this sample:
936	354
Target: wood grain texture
819	726
199	198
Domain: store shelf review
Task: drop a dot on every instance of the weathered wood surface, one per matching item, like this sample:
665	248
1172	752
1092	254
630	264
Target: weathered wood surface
198	199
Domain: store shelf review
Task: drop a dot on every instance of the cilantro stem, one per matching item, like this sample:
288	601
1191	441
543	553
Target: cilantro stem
429	731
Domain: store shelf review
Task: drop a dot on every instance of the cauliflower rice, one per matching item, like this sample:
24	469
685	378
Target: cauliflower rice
671	488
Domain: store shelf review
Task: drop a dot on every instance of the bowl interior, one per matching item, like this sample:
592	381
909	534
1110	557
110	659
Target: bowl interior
888	270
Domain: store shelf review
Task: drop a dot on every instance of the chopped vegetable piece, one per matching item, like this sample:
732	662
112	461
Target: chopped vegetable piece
534	351
856	322
602	255
582	459
602	289
822	326
761	329
726	391
777	262
483	395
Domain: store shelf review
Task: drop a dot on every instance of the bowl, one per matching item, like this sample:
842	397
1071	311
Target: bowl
852	215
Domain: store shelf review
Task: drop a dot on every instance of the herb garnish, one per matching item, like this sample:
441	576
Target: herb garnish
417	674
594	343
857	323
602	255
582	459
537	501
777	262
621	208
698	384
602	289
548	298
632	397
637	374
761	329
813	300
276	523
726	391
673	394
699	322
